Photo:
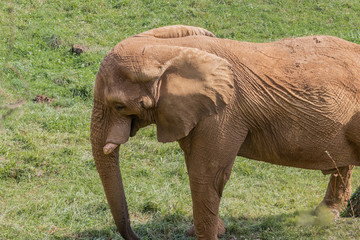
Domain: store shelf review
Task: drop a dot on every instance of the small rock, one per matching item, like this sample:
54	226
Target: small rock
78	49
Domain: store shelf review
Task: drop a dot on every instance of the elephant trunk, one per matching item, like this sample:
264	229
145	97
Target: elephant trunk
108	168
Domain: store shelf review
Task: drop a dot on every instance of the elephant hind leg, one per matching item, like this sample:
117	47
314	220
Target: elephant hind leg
339	189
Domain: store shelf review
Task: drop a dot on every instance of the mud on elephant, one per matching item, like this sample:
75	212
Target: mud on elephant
287	102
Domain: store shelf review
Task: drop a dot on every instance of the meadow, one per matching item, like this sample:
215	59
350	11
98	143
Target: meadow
49	186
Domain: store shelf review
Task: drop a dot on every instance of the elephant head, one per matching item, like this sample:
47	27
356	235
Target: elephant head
146	79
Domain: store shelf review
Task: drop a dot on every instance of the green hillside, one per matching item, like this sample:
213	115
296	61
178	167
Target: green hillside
49	187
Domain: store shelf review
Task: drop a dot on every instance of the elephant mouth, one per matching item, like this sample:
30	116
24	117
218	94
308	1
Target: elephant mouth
135	125
121	134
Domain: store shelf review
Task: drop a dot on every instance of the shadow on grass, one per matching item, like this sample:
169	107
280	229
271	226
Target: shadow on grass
267	227
172	226
296	225
105	234
283	226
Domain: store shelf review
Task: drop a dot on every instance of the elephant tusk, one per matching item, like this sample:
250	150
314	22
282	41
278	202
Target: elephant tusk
109	147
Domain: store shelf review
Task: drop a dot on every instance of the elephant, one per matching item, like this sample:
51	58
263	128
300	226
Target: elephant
293	102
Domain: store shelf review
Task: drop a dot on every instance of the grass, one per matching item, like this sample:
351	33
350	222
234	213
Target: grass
49	187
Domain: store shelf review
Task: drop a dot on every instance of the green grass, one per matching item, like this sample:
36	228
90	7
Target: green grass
49	187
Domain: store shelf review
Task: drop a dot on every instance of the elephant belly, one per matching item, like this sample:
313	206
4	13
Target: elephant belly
289	146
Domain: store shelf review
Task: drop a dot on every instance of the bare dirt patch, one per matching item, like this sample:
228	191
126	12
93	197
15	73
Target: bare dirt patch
79	49
43	99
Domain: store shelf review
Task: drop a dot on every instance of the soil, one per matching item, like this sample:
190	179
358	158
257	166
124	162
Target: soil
43	99
78	49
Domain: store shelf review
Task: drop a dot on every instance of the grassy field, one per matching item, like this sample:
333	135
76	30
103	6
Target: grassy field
49	187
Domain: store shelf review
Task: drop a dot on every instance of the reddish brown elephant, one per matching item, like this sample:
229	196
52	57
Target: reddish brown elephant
290	102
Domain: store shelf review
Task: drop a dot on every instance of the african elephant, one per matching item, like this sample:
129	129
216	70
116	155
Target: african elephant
293	102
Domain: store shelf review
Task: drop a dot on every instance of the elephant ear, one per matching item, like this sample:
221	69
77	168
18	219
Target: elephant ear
176	31
193	85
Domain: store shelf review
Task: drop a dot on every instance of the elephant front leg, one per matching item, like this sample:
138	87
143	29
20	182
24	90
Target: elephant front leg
209	169
339	190
206	192
209	157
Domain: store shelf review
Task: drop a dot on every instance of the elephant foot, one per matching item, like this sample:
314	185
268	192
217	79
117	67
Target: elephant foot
221	229
325	210
336	207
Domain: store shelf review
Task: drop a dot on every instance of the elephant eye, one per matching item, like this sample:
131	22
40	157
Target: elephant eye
119	107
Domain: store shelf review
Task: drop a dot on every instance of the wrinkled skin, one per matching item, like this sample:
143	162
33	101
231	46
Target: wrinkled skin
293	102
